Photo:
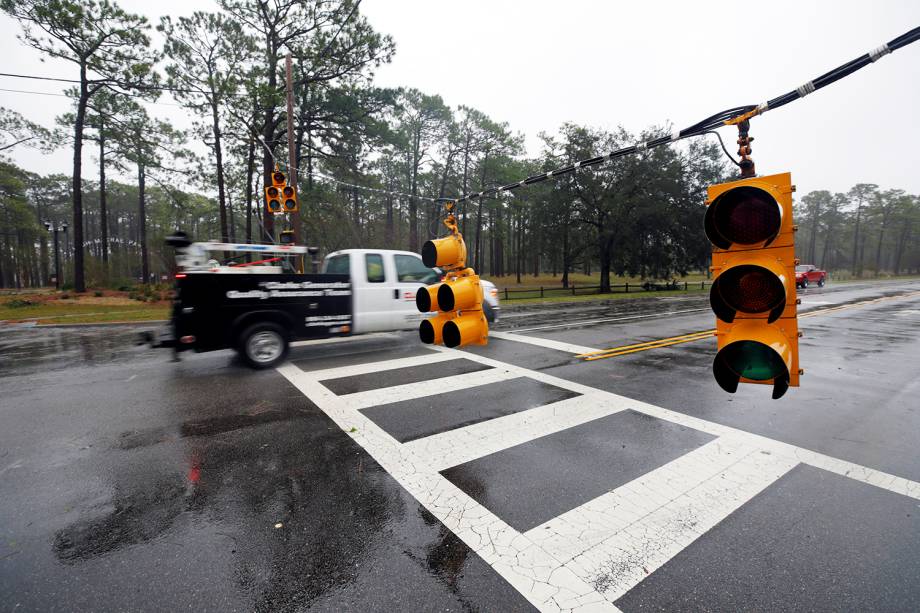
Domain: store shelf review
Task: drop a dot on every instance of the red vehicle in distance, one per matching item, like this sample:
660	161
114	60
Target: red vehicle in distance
807	274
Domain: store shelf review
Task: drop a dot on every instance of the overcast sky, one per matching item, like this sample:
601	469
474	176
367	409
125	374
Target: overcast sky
537	64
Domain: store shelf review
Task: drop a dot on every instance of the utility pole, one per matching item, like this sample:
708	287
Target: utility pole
58	281
292	164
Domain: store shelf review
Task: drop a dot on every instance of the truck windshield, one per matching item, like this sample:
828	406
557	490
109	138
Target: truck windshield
801	268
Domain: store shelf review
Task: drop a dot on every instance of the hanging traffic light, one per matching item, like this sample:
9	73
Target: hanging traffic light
749	224
289	199
273	199
458	300
278	178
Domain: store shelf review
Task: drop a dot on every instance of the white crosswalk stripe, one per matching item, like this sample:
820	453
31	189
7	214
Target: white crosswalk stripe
587	557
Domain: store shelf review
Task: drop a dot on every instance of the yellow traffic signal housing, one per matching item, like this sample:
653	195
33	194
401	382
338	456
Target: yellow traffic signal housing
753	295
278	178
273	199
458	300
289	199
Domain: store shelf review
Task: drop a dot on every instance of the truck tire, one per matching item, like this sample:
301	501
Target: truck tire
263	345
821	282
489	312
805	283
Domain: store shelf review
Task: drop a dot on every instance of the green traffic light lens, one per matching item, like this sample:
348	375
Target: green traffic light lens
745	216
751	289
274	205
752	360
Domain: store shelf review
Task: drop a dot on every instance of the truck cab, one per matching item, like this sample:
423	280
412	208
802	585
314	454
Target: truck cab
385	282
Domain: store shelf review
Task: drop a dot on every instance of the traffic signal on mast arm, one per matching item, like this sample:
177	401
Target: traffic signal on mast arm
458	300
749	223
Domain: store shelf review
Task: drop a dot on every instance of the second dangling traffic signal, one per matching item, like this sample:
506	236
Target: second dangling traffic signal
458	299
289	199
273	199
749	223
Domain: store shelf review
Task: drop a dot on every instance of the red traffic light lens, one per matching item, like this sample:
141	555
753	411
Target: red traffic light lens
744	215
750	289
278	177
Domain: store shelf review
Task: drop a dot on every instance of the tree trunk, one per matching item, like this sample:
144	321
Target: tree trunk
857	267
604	245
250	160
79	282
103	211
218	155
142	223
231	220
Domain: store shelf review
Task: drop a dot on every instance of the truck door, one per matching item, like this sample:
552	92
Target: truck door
411	274
373	295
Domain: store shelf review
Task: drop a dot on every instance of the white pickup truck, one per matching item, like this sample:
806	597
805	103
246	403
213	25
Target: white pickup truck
259	307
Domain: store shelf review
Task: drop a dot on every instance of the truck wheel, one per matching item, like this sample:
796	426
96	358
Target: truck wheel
821	282
805	283
488	312
263	345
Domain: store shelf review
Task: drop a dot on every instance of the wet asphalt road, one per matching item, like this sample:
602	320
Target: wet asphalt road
128	482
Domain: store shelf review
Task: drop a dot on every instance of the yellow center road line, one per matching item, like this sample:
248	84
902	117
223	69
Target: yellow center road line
652	345
696	336
639	345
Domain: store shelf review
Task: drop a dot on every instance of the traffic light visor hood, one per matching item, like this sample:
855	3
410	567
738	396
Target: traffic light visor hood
462	293
751	287
745	215
449	251
426	298
465	329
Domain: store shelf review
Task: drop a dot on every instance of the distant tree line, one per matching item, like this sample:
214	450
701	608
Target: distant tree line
639	216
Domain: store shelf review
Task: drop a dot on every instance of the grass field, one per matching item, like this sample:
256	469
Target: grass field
44	307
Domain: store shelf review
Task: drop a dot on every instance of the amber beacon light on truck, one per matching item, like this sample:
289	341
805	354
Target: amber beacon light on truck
457	302
753	295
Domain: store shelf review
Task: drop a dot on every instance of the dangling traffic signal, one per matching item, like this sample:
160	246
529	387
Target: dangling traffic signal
273	199
289	199
458	300
749	224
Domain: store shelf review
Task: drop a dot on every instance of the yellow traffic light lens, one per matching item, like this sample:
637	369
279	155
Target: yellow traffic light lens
749	289
272	192
752	360
288	192
744	215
